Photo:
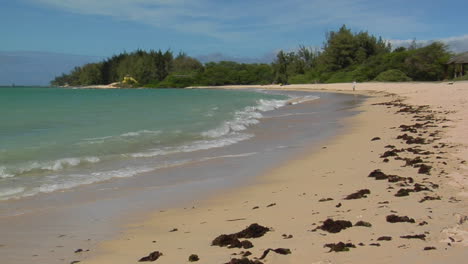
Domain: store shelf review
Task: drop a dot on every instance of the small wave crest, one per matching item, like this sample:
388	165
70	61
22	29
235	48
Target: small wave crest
54	183
250	115
139	133
100	140
8	192
194	146
4	174
56	165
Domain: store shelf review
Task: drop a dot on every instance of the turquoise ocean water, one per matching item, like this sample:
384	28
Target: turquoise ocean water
57	138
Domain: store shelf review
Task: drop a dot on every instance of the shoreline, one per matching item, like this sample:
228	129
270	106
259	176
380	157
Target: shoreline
54	225
288	198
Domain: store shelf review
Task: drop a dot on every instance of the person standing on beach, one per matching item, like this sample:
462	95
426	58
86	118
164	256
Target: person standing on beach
354	86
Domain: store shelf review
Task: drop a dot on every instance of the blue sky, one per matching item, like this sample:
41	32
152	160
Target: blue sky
236	28
246	30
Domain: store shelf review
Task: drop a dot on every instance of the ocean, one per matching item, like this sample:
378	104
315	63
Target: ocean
78	165
58	138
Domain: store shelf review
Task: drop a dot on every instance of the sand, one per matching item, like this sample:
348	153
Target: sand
294	199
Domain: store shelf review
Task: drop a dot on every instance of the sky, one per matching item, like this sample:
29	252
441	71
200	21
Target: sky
243	29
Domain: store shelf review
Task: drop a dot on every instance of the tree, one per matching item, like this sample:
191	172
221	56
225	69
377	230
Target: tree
281	67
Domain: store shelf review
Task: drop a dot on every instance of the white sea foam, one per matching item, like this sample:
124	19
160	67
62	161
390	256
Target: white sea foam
194	146
56	165
100	140
63	182
293	114
4	174
250	115
230	156
8	192
139	133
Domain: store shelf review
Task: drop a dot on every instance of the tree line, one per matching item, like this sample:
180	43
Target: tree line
345	57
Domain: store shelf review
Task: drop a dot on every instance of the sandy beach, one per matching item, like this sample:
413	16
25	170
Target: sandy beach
392	189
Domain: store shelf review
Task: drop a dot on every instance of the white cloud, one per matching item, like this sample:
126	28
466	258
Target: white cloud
238	20
456	44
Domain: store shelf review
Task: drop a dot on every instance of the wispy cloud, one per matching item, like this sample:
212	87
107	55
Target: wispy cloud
243	19
456	44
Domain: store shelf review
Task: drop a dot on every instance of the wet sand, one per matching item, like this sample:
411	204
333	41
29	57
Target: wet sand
391	189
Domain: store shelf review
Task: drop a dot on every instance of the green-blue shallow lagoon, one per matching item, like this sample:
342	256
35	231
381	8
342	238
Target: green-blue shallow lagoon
59	138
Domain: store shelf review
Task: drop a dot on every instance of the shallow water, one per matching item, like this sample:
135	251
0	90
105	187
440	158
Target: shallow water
53	139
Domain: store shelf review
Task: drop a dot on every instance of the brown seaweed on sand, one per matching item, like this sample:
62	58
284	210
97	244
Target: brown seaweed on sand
384	238
363	223
333	226
378	175
193	258
339	247
424	169
232	240
253	231
430	248
399	219
282	251
412	140
429	198
421	236
358	195
153	256
244	261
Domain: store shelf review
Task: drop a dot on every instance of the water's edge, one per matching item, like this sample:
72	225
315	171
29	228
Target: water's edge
89	214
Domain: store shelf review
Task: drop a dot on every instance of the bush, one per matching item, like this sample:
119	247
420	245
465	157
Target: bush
341	77
462	78
299	79
392	76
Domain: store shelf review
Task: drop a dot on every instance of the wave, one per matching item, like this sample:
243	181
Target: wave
302	99
8	192
48	166
139	133
230	156
54	183
194	146
250	115
4	174
292	114
99	140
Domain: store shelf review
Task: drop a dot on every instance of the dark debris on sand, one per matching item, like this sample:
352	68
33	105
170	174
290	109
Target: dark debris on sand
363	223
333	226
425	169
153	256
420	236
339	247
232	240
243	261
378	175
193	258
253	231
384	238
281	251
399	219
358	195
412	140
430	248
429	198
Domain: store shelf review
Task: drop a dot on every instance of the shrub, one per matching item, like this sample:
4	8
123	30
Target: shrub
392	76
462	78
341	77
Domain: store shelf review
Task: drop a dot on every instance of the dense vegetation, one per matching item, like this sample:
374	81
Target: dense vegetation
345	57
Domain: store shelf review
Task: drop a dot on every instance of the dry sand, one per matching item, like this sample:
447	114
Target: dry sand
286	200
